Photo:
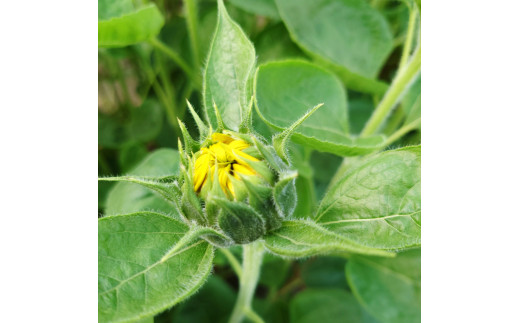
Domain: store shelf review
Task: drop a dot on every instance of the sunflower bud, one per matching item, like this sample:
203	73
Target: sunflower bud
235	182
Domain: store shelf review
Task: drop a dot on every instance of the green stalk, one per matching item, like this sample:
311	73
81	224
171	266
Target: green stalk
165	79
397	89
156	43
250	314
232	261
403	131
394	120
251	263
409	38
168	105
192	24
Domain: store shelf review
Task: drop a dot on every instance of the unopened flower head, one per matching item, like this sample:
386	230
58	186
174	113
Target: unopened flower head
226	156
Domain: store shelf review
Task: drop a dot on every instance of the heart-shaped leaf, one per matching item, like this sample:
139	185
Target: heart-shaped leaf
229	67
287	90
378	202
348	35
136	280
302	238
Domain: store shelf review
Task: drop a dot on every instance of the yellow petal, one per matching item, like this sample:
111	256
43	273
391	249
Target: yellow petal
223	176
202	161
243	155
199	180
231	188
219	137
222	153
238	144
202	165
237	168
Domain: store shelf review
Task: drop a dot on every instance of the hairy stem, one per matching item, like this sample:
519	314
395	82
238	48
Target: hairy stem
251	263
396	91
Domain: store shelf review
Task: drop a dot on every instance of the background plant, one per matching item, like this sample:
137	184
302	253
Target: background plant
361	59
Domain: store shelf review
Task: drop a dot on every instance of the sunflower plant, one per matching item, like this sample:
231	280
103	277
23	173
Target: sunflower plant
244	184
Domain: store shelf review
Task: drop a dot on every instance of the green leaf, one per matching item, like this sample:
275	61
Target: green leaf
131	197
325	166
229	66
378	203
389	289
286	90
114	8
347	34
133	281
274	43
131	27
265	8
130	155
324	272
332	305
360	110
301	238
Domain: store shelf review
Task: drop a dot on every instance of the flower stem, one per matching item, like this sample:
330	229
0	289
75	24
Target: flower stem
395	92
251	263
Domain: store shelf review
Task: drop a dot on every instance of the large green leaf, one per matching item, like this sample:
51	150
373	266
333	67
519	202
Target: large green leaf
286	90
301	238
378	202
131	197
114	8
347	34
135	281
258	7
360	109
389	289
274	43
229	67
121	26
332	305
324	272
